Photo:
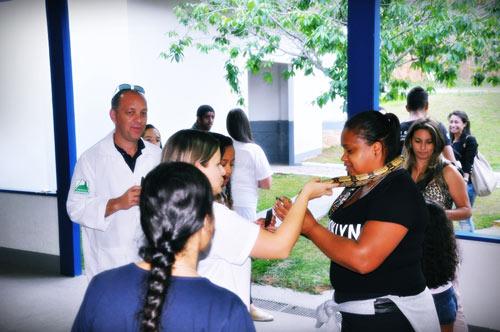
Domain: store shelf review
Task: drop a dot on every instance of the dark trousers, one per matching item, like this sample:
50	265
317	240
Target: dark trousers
383	322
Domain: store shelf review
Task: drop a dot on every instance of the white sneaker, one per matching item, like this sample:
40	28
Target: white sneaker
260	315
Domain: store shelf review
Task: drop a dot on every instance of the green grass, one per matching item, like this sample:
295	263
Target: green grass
483	110
305	270
283	185
486	210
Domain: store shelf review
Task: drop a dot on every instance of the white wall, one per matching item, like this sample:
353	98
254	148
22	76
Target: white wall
29	222
26	126
479	282
268	102
308	118
120	41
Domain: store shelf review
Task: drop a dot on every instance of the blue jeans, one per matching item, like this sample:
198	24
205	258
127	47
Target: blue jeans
467	224
446	306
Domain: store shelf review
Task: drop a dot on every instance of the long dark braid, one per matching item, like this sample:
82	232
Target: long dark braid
175	199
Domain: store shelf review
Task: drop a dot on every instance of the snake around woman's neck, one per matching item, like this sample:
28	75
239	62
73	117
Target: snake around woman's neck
362	179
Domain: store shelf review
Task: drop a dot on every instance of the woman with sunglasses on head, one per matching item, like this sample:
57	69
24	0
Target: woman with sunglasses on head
164	292
227	264
375	235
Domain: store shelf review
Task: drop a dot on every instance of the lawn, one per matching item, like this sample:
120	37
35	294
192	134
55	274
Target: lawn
483	109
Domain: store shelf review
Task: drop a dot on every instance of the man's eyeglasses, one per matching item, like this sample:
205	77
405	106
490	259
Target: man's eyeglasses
126	86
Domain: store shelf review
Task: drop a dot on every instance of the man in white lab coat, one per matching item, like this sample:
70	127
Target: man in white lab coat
105	188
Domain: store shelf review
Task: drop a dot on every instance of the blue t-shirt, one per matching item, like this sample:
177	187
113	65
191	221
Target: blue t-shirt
115	297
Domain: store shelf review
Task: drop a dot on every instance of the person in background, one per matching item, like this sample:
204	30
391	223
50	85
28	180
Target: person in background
205	116
104	193
152	135
226	161
236	239
164	291
437	178
465	150
225	197
375	235
251	167
438	181
417	105
439	263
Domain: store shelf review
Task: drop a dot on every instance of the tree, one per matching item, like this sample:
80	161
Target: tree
435	36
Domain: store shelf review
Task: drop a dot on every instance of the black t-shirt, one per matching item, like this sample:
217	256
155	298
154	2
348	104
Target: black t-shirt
395	199
405	127
465	149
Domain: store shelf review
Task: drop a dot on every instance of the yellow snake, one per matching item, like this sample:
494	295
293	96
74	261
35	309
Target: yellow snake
362	179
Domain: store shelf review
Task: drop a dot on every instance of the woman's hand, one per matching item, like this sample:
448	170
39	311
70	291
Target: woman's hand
281	207
271	227
315	188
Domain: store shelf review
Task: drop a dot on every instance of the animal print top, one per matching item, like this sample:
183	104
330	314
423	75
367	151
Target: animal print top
437	191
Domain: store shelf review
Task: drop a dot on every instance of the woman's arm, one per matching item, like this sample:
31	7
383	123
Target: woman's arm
280	243
469	153
458	192
265	183
377	241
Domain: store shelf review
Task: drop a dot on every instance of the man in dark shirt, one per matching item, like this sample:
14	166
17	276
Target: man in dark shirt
205	116
417	105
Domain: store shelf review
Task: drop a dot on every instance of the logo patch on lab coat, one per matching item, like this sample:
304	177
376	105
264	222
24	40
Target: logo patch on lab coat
82	187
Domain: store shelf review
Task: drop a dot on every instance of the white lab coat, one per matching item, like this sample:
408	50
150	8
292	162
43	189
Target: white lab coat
101	174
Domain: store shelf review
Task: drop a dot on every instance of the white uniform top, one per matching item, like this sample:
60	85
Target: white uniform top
250	166
100	174
227	263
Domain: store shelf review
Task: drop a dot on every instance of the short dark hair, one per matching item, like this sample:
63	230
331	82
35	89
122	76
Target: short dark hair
417	99
204	109
115	101
374	126
238	126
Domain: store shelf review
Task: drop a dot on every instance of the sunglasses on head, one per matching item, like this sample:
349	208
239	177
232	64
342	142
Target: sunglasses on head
126	86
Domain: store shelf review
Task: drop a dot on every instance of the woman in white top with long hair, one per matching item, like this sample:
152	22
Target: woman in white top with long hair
227	263
251	168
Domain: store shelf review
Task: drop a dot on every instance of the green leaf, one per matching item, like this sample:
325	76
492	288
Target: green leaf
268	77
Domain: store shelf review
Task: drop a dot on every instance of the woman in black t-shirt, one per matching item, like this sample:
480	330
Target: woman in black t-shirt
375	235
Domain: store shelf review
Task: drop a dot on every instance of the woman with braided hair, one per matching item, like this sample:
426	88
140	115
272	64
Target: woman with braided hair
164	292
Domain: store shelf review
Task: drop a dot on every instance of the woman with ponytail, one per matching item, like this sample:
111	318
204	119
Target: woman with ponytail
374	237
164	292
